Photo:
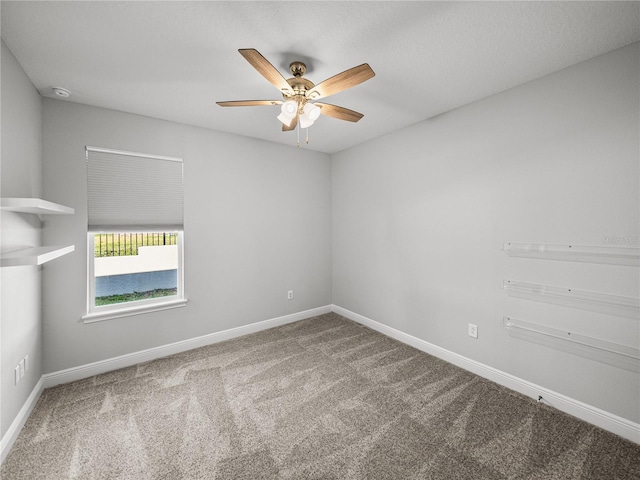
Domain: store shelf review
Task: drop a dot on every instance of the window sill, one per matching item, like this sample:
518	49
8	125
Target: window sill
129	311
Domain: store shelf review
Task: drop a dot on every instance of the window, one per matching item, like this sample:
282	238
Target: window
135	233
134	266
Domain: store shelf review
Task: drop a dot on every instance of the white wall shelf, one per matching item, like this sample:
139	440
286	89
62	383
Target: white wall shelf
622	356
570	297
629	256
36	206
34	255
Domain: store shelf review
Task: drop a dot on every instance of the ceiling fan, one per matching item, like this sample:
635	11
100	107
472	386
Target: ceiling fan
299	95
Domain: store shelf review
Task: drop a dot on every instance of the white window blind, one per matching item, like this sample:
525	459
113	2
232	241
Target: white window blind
134	190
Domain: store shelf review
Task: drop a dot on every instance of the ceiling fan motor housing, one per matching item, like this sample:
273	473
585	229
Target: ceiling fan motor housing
298	69
300	86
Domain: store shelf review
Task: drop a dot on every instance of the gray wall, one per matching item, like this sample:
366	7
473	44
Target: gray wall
420	217
257	223
21	176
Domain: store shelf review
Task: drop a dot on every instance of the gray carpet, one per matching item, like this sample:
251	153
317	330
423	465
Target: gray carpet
323	398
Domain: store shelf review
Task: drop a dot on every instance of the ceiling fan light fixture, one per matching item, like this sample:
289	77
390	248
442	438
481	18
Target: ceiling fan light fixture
310	114
288	112
285	119
312	111
305	122
289	108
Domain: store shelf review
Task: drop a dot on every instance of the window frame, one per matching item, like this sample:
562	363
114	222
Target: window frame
112	190
138	307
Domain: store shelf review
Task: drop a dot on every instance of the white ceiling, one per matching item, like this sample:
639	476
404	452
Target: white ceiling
174	60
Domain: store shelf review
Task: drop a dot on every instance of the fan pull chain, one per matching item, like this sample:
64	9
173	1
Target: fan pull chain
298	134
307	139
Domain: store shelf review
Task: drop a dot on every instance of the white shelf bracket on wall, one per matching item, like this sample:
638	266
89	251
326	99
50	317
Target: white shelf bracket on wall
629	256
569	297
622	356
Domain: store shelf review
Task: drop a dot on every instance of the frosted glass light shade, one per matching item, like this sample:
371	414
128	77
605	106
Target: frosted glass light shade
288	112
286	119
312	111
305	122
289	108
310	114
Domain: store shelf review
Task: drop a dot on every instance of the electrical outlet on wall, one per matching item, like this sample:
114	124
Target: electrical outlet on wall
290	295
473	330
21	369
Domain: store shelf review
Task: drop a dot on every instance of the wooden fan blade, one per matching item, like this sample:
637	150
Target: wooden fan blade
265	69
340	113
342	81
293	125
249	103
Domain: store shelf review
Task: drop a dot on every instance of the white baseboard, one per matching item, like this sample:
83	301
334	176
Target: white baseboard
605	420
115	363
14	429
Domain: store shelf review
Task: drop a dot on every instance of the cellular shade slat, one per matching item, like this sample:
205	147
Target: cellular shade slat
133	190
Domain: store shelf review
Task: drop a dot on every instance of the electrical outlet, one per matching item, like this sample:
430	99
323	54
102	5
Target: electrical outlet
473	330
290	295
